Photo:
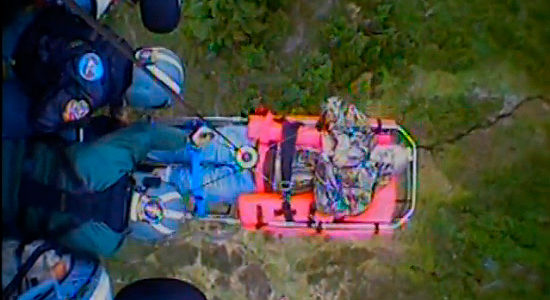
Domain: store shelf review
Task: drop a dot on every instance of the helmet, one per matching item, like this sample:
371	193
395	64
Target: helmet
147	92
49	273
156	210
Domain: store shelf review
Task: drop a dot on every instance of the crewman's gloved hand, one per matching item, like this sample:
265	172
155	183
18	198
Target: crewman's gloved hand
163	173
202	136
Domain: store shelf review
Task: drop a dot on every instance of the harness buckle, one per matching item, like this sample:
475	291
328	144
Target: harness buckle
285	186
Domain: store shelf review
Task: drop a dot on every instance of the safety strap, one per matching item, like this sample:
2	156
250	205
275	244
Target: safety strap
269	168
378	129
288	149
197	173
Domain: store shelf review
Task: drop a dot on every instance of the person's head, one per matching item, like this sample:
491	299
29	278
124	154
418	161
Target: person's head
167	68
394	158
332	113
156	209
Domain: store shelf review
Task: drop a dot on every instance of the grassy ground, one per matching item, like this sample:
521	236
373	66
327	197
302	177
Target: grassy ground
440	68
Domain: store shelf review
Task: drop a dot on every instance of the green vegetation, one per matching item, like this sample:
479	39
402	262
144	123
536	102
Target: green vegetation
439	67
484	226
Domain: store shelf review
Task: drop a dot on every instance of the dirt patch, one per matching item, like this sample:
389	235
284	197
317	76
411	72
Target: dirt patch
256	282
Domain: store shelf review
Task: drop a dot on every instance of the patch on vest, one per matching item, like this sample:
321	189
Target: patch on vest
75	110
90	67
153	211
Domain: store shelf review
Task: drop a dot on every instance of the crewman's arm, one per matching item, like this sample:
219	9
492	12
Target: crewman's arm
101	163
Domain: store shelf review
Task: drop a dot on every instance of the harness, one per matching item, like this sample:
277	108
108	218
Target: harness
197	173
110	206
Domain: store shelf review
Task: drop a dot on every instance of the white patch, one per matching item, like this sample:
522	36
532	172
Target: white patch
160	75
162	229
103	289
397	157
174	215
102	6
134	207
169	197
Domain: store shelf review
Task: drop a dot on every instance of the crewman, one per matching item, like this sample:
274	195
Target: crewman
68	71
90	196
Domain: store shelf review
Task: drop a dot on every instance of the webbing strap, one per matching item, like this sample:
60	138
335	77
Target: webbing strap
197	174
288	149
24	269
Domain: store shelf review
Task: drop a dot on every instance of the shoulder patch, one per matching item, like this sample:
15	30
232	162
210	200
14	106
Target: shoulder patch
75	110
90	67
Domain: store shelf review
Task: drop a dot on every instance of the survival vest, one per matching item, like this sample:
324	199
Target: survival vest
68	69
110	207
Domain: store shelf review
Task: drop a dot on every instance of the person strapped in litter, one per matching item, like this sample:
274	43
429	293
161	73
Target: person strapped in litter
351	166
208	171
